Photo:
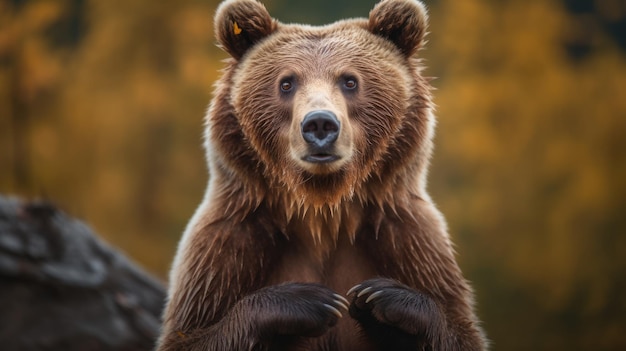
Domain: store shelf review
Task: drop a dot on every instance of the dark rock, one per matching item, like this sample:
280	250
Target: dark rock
62	288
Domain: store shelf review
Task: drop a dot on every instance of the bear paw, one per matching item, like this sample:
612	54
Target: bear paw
296	309
385	302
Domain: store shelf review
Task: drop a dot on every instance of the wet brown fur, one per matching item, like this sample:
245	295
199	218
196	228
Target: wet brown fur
266	219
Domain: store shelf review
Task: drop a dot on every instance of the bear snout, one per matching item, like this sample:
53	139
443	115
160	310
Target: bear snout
320	129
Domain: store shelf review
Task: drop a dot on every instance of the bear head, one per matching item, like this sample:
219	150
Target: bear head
320	115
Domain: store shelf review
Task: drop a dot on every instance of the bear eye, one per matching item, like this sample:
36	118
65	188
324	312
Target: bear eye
286	85
350	83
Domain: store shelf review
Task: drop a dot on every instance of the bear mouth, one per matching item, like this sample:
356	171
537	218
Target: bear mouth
320	158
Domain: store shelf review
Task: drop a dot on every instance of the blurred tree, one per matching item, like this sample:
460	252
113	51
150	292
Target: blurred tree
102	98
318	12
529	170
589	19
30	68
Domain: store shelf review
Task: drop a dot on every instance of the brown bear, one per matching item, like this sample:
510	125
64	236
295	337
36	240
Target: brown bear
318	141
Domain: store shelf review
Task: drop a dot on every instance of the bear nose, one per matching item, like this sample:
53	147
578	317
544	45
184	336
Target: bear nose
320	128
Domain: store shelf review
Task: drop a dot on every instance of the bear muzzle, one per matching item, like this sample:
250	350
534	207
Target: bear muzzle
320	129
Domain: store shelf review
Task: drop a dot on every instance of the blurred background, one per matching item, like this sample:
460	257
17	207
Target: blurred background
101	108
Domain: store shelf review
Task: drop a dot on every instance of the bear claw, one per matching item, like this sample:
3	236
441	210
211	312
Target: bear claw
333	310
340	304
344	301
353	289
364	291
373	296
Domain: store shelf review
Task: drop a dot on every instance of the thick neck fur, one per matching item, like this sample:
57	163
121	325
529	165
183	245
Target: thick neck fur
317	223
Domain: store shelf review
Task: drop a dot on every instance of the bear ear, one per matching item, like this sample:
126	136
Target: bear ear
403	22
239	24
